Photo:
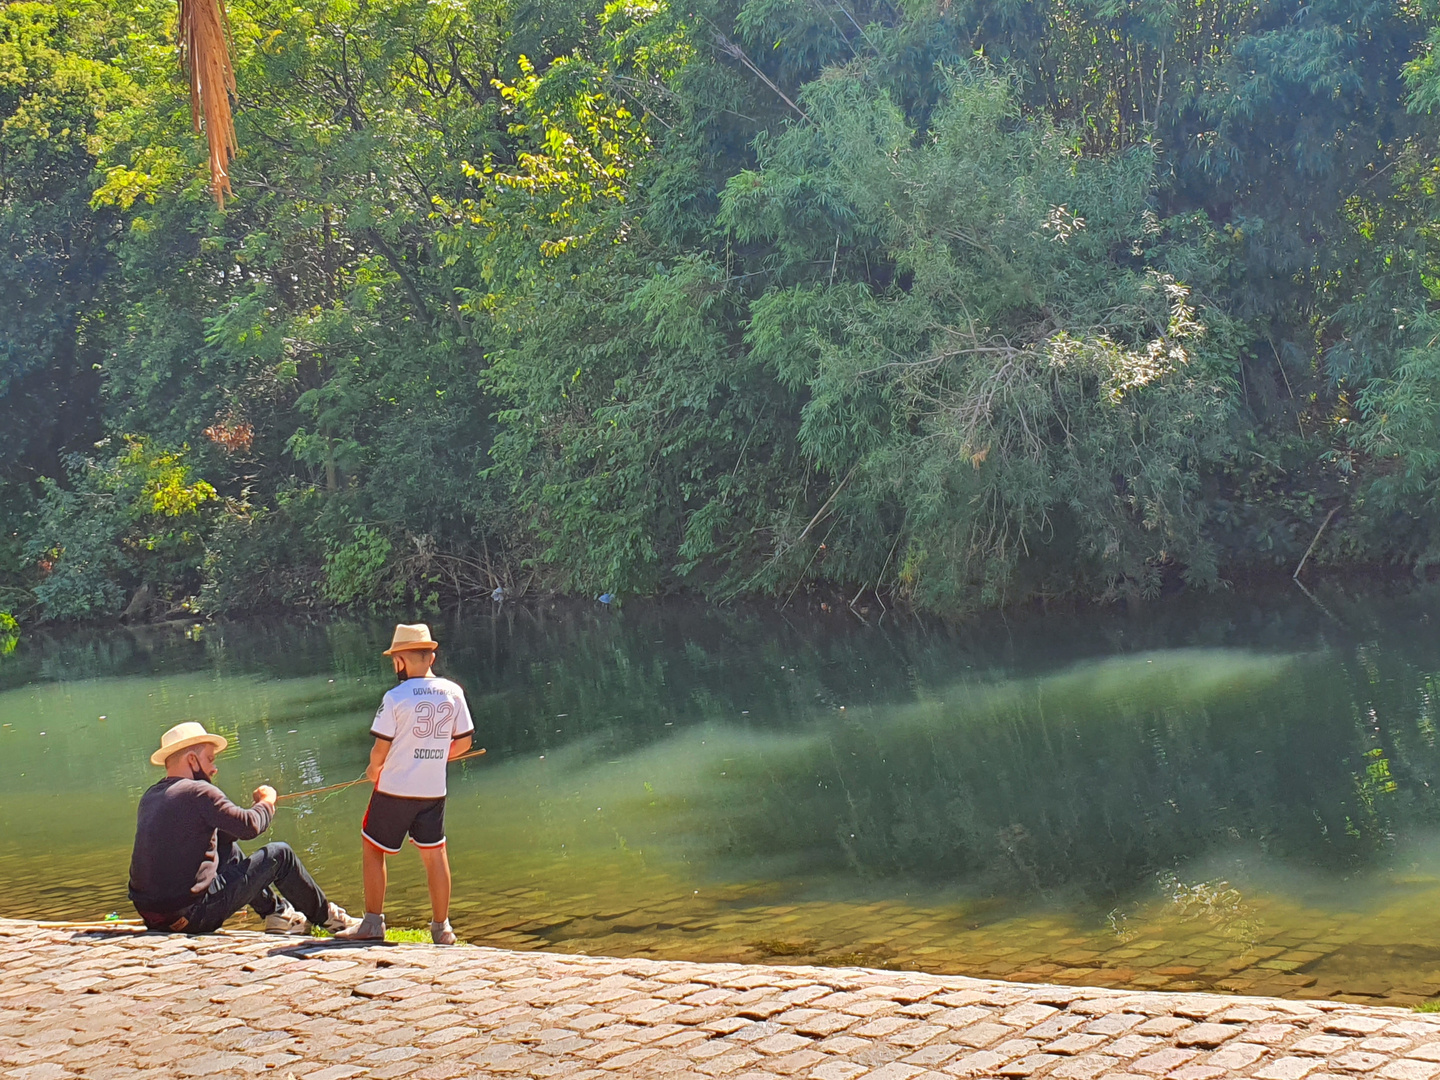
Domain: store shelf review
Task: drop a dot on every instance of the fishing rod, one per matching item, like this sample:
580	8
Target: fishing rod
358	780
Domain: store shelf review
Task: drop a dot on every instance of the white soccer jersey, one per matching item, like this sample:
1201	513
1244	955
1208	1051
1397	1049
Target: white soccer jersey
420	717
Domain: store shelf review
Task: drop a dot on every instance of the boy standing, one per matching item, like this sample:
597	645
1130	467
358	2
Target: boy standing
422	724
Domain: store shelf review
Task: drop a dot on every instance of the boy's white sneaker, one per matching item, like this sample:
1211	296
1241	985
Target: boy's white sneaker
370	928
441	934
337	920
285	920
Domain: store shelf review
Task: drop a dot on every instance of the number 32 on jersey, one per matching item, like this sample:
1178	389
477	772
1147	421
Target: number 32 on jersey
433	720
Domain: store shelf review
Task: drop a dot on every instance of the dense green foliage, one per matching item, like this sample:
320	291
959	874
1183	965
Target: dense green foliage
959	303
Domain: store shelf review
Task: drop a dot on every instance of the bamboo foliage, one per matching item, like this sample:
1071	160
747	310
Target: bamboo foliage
205	56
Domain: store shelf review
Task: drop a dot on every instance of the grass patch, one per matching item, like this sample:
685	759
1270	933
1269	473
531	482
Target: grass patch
401	935
1433	1005
405	935
408	936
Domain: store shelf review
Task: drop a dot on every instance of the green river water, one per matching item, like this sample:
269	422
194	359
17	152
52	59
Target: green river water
1239	792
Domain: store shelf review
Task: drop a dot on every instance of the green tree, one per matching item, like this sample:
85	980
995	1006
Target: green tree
131	525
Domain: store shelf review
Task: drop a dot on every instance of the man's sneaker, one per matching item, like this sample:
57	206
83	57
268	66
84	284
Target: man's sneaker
370	928
337	920
285	920
441	934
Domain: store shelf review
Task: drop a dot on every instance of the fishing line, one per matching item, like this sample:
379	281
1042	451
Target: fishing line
358	780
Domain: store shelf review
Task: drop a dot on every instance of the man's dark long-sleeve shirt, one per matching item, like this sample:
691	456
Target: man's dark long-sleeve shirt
177	840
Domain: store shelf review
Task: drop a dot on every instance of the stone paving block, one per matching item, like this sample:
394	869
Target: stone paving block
876	1054
1130	1046
1358	1061
1385	1044
1237	1055
629	1059
1084	1068
1410	1069
1199	1006
1028	1065
934	1055
920	1010
1321	1045
825	1023
1027	1015
753	1032
1287	1068
1352	1024
978	1035
782	1043
45	1071
841	1044
724	1063
684	1037
1164	1026
713	1048
1270	1034
1207	1036
1163	1061
960	998
1057	1025
334	1072
1016	1048
1421	1027
959	1017
872	1007
894	1071
796	1063
1196	1071
977	1064
916	1035
1116	1023
837	1070
882	1026
1076	1043
726	1026
1426	1052
446	1070
909	995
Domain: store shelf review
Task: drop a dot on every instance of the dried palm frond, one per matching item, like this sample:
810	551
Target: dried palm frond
205	56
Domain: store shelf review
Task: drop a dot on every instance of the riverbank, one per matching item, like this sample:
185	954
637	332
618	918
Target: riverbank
106	1002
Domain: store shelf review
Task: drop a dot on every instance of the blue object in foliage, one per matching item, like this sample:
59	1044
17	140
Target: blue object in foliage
605	597
499	594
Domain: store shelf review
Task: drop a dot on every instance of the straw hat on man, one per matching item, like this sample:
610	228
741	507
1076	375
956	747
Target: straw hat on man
183	737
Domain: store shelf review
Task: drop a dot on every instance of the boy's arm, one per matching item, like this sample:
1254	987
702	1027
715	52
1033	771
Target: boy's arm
378	753
383	728
464	729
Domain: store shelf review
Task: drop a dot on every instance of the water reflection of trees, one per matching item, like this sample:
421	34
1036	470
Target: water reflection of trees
957	756
1066	783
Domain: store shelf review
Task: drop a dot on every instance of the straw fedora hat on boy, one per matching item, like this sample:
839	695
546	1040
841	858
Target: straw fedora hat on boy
182	737
410	636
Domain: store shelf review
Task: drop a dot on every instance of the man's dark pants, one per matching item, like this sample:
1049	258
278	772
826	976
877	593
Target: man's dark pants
245	880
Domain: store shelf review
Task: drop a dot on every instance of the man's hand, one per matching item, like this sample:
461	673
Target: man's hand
265	793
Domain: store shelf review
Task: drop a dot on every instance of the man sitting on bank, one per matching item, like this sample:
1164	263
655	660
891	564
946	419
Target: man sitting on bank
187	872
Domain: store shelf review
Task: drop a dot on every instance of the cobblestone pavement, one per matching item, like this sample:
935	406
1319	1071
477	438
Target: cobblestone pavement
109	1003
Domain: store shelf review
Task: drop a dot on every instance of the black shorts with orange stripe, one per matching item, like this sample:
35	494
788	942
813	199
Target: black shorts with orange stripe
389	818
